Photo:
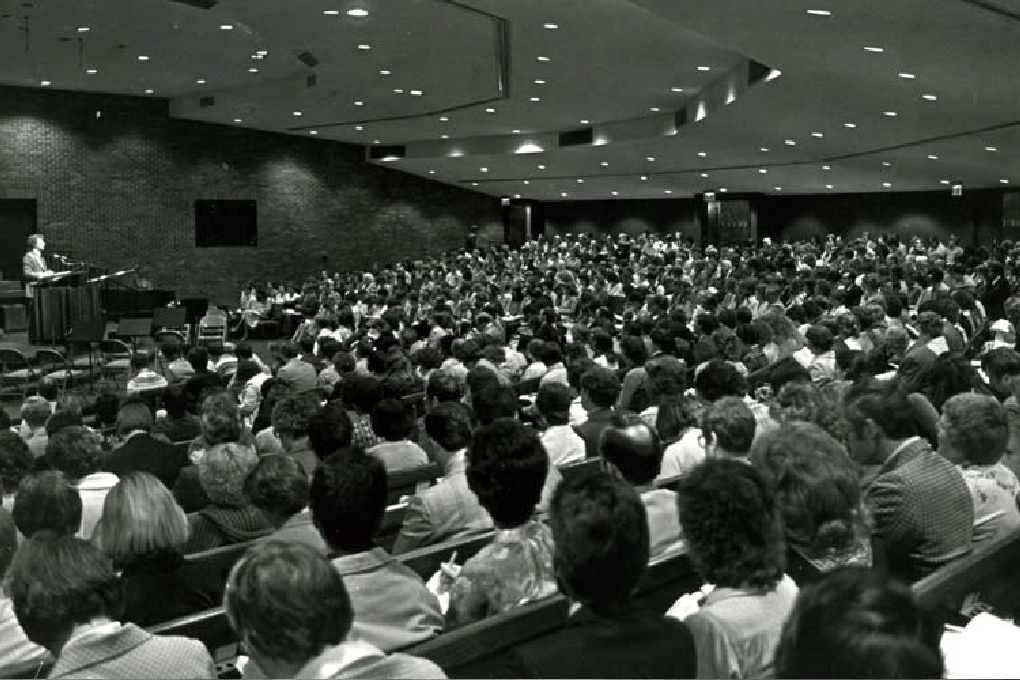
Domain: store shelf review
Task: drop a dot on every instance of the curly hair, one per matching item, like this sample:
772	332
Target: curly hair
729	516
221	418
223	471
75	451
278	486
507	468
347	499
15	461
292	413
807	402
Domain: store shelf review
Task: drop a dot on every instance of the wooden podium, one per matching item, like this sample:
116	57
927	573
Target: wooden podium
63	301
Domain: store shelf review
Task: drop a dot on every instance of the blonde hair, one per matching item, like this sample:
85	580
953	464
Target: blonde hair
140	518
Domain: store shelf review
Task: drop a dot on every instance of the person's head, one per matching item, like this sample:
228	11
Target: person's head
479	378
246	370
75	451
392	420
58	582
719	379
729	517
278	486
221	419
133	415
600	531
287	604
785	371
507	468
140	362
362	393
728	427
1002	367
199	359
819	339
47	501
855	623
329	430
175	401
35	411
816	484
443	387
449	425
291	416
48	389
289	351
675	417
973	430
667	377
140	519
633	448
347	500
553	403
878	417
600	388
223	470
494	402
633	348
15	461
35	241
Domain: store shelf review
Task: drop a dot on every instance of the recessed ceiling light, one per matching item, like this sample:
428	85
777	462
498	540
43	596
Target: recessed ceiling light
702	154
943	181
874	49
253	70
541	167
357	12
474	184
297	113
907	76
929	97
237	120
1004	181
826	167
654	109
483	169
820	12
149	91
490	110
886	184
226	27
444	119
667	191
891	114
583	121
398	90
444	136
539	81
527	181
563	194
536	99
604	164
615	193
932	157
517	195
580	181
650	159
991	148
764	148
143	57
704	68
416	93
200	82
313	132
551	27
678	90
819	135
91	71
850	126
778	188
543	58
359	103
763	171
644	178
45	83
516	132
829	186
385	72
704	175
723	189
331	12
432	172
790	142
364	46
359	128
84	29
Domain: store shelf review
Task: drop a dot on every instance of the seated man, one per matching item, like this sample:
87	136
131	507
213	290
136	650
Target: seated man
47	501
144	377
392	606
634	451
392	422
920	504
442	387
290	422
179	425
728	428
202	381
449	509
972	434
561	442
295	614
140	451
600	388
34	414
329	430
299	376
601	540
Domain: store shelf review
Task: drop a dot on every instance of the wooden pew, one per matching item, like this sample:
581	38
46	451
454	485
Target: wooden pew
406	482
220	560
425	561
574	470
211	627
393	519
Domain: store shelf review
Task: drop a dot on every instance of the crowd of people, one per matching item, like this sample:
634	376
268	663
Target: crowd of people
815	426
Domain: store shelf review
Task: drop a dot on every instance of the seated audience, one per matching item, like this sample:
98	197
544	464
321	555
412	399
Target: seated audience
140	450
506	469
362	393
329	430
727	427
290	424
561	442
600	389
393	424
299	376
229	517
819	497
735	540
34	414
392	607
278	487
178	425
47	501
15	463
19	657
78	453
143	530
634	451
448	510
919	502
143	377
202	380
67	597
293	610
601	538
856	624
972	434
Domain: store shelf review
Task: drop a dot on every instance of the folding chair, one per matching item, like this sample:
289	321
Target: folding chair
15	369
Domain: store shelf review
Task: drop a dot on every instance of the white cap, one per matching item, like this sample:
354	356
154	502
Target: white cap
1002	326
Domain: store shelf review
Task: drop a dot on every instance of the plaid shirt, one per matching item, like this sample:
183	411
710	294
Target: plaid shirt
364	436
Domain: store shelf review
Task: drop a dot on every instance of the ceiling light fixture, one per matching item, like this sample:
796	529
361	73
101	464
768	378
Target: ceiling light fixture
490	110
874	49
819	135
850	126
516	132
200	81
819	12
932	157
297	113
580	181
723	189
385	72
45	83
331	12
702	154
416	93
826	167
773	74
91	71
483	169
550	27
654	109
886	184
778	188
517	195
536	99
907	76
313	132
763	171
398	90
563	194
539	81
526	182
644	178
790	142
444	136
541	167
253	70
829	186
704	175
444	119
764	148
944	181
359	128
615	193
650	159
667	191
474	184
886	163
226	27
529	147
359	103
929	97
84	29
704	68
1003	181
143	57
432	172
364	46
677	90
991	148
583	121
237	120
150	91
891	114
543	58
604	164
357	12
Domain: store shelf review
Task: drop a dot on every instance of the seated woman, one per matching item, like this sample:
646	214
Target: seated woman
856	624
735	540
291	607
229	517
819	496
142	529
18	655
506	469
278	486
66	595
393	424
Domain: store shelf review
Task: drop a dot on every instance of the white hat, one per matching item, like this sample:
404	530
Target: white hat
1002	326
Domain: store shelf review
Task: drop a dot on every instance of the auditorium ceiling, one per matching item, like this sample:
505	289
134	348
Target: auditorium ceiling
572	99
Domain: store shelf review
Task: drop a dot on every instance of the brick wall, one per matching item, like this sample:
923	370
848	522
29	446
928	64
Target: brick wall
119	190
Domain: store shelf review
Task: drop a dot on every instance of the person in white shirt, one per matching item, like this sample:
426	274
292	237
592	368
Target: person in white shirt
144	377
563	445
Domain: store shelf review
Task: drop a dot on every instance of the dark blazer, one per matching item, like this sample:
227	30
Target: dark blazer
164	587
145	453
922	511
591	430
633	643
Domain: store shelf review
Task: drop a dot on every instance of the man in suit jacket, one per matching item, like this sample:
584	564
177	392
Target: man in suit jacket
449	509
610	636
33	264
919	501
600	389
140	450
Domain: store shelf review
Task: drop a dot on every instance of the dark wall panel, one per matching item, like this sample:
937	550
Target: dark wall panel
616	217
